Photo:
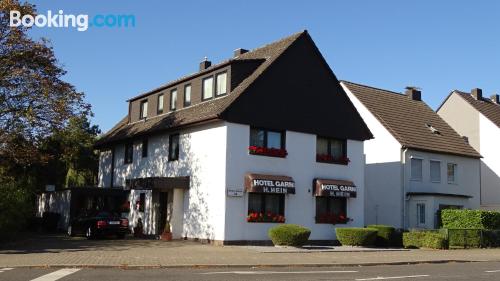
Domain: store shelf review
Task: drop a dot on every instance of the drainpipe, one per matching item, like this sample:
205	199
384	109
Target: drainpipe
112	167
403	185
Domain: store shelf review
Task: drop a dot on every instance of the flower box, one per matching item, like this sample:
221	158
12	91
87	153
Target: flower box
265	217
273	152
332	219
326	158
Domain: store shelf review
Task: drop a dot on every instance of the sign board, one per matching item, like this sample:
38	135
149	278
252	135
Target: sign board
232	192
50	188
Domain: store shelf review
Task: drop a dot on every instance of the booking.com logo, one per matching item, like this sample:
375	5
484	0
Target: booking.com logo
80	22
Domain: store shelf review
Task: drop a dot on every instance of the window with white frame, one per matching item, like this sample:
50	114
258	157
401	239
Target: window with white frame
435	171
208	88
221	82
144	109
187	95
452	173
420	213
416	169
160	104
173	99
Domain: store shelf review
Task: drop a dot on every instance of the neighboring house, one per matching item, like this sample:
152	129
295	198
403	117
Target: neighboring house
416	164
224	154
478	120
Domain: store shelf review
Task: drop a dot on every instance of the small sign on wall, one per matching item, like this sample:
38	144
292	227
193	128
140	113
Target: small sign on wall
234	192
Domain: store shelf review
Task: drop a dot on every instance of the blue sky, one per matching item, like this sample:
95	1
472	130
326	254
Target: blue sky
435	45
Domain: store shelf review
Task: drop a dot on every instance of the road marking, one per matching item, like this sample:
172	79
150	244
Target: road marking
280	272
6	268
392	277
492	271
56	275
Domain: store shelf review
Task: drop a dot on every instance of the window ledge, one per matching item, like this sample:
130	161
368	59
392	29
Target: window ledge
344	163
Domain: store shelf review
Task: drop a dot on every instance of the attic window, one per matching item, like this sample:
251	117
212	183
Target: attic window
433	130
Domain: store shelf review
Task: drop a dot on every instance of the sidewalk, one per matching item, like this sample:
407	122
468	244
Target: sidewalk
58	251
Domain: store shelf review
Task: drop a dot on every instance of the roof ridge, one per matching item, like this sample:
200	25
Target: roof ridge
371	87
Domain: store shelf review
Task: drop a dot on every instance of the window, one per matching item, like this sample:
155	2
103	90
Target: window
208	88
129	153
268	143
221	82
160	104
416	169
452	173
173	99
187	95
331	150
145	148
331	210
173	147
435	171
266	138
144	109
420	213
264	207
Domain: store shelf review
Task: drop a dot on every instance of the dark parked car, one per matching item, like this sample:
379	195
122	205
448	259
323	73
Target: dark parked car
99	224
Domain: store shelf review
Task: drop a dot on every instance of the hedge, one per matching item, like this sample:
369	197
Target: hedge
356	236
289	235
424	239
385	235
465	238
470	219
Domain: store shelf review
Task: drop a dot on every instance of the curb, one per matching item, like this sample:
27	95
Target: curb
209	266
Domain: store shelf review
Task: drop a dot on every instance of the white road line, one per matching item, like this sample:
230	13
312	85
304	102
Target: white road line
57	274
279	272
6	268
492	271
392	277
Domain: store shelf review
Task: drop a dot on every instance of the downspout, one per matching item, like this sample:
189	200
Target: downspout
403	185
112	178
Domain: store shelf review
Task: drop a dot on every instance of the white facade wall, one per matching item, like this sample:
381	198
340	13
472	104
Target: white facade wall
104	174
490	167
383	172
467	183
202	156
301	165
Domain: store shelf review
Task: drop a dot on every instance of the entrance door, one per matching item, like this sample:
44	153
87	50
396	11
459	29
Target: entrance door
163	212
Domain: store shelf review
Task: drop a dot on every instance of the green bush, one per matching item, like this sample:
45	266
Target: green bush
356	236
471	219
289	235
424	239
465	238
385	234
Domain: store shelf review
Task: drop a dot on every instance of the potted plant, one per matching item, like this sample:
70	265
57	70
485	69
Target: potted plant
167	234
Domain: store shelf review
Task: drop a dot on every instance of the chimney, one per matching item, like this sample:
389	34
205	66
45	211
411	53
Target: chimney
205	64
240	51
495	99
413	93
477	93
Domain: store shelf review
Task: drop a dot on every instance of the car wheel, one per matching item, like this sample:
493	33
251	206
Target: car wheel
89	233
70	231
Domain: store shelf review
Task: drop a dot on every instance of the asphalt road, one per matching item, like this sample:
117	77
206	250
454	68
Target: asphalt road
449	271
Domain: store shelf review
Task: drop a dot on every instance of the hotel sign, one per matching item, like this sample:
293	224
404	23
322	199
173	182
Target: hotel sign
269	184
334	188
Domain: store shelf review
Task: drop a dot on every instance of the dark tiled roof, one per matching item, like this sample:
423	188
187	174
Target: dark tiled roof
485	106
407	120
203	111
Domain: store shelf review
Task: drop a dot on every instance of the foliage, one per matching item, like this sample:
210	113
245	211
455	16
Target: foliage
424	239
356	236
289	235
15	206
465	238
385	234
34	100
472	219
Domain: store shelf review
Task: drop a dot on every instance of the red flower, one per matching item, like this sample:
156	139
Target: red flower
259	150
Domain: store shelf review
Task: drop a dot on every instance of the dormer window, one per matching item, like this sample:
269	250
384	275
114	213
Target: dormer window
187	95
208	88
221	84
173	99
160	104
144	109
